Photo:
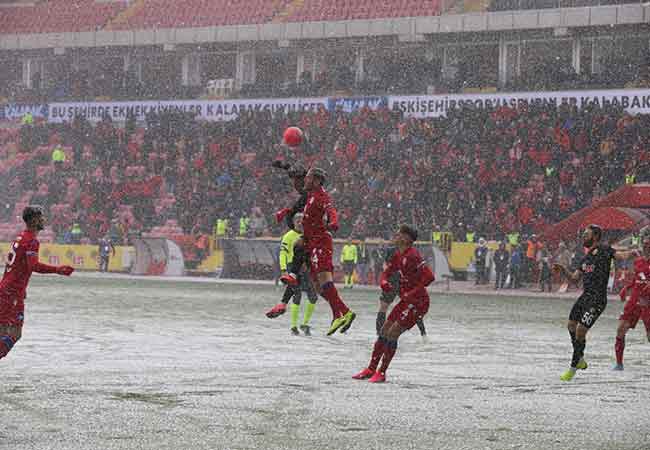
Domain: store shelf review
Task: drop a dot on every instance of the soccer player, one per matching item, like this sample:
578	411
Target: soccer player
20	262
594	270
638	306
296	276
319	222
415	276
387	297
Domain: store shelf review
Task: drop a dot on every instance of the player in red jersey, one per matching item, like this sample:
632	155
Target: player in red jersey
415	276
638	306
20	262
319	221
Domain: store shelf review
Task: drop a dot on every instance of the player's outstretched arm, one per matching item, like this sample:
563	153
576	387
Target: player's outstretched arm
621	255
39	267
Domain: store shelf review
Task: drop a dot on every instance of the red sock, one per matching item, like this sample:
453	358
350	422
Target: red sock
329	292
391	348
377	352
619	347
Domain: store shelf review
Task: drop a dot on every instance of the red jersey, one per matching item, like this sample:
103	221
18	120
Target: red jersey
640	284
319	215
415	276
20	262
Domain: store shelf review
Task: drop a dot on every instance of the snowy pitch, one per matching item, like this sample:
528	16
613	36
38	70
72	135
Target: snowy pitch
131	364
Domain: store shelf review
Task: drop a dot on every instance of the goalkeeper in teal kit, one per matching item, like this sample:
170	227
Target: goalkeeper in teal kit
295	274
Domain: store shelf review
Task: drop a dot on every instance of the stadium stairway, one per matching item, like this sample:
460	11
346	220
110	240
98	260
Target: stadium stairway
288	10
126	14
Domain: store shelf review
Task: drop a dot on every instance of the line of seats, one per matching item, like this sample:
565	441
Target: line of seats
55	16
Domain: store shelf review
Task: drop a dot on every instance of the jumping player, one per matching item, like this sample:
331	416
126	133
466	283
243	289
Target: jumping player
20	262
594	270
295	275
415	276
387	298
319	221
638	306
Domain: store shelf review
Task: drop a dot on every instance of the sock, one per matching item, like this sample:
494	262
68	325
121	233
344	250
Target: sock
381	318
377	353
329	293
578	352
295	310
619	348
6	344
309	311
420	324
391	348
573	337
288	293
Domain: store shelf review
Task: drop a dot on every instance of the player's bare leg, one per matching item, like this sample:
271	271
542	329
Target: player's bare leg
9	335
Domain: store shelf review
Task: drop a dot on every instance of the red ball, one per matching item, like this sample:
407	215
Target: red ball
293	136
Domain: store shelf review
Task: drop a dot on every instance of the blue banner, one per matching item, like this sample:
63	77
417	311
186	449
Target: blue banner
13	111
351	104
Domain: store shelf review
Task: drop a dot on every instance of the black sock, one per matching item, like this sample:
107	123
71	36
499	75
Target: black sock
288	293
381	318
420	324
573	337
578	352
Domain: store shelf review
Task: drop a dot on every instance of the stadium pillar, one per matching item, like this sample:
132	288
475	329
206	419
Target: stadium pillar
245	73
359	73
577	50
300	64
33	73
191	70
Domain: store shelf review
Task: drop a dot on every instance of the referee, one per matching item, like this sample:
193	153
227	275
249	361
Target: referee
594	270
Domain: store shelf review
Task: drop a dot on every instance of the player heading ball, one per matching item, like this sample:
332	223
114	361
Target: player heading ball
20	262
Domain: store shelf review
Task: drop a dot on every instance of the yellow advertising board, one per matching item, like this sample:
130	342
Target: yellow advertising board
82	257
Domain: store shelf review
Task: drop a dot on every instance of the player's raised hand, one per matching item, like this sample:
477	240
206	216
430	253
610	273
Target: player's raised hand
65	270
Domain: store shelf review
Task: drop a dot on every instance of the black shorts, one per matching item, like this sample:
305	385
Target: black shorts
348	267
587	309
388	297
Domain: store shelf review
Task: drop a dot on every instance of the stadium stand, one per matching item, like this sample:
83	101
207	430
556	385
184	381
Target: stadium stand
518	170
55	16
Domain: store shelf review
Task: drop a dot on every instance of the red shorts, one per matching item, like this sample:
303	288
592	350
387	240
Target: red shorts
406	314
633	312
12	310
320	255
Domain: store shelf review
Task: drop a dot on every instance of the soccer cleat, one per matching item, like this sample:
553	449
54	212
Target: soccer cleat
364	374
295	331
568	375
582	365
618	367
306	329
349	318
289	279
378	377
276	311
336	324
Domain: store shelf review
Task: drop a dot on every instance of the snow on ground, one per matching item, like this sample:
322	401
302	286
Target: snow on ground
125	363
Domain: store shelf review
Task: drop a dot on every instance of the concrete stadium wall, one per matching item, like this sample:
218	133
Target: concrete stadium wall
410	28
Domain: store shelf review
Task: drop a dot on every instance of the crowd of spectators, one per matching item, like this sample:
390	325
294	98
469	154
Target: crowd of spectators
485	172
